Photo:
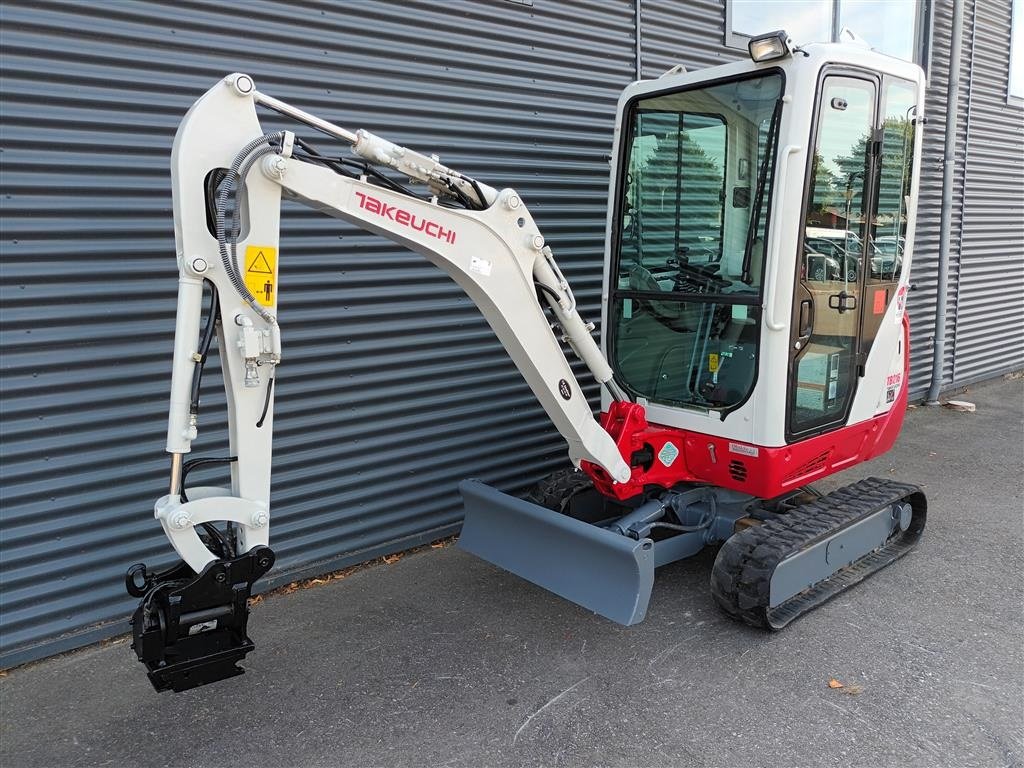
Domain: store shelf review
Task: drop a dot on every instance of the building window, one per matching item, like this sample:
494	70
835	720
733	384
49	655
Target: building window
889	26
1015	86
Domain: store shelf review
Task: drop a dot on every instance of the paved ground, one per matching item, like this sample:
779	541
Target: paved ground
441	659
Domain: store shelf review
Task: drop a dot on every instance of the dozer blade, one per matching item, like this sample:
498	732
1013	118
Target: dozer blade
605	572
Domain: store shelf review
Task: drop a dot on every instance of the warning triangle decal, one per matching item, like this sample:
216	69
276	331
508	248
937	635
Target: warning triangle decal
260	264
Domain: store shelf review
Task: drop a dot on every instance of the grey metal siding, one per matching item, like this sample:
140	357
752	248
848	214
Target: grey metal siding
392	389
985	310
690	33
922	302
990	297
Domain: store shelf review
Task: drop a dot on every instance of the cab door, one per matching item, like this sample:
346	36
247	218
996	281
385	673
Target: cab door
825	340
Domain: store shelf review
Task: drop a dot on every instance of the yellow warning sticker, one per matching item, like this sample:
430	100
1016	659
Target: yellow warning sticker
713	362
261	273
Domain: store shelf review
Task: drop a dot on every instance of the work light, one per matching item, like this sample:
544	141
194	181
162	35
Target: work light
774	45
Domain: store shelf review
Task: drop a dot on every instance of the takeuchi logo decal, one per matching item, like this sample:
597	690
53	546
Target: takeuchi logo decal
403	217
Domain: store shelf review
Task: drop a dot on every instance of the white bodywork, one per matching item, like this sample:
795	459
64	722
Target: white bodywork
761	419
496	255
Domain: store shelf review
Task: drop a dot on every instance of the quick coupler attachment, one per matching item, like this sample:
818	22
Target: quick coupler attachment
189	629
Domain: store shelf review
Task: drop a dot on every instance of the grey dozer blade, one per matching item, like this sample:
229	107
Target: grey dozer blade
606	572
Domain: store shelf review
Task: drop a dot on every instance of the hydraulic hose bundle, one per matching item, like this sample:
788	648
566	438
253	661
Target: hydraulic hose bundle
227	239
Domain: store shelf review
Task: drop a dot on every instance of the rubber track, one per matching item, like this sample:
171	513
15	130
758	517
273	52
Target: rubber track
557	489
742	574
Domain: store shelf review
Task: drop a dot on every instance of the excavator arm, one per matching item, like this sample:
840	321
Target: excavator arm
228	180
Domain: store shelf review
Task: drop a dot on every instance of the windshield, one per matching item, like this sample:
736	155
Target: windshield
692	233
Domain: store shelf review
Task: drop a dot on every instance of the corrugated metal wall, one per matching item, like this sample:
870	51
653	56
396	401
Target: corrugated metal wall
393	388
985	301
922	302
989	298
690	33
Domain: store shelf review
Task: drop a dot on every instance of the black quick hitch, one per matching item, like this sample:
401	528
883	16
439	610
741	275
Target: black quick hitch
189	629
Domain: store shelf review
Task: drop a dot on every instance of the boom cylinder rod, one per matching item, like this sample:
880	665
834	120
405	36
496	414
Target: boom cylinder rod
380	151
181	427
577	332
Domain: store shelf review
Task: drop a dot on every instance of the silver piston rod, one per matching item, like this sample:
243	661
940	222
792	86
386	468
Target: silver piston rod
176	465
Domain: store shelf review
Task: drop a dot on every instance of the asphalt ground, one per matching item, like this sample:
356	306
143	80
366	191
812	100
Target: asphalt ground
440	659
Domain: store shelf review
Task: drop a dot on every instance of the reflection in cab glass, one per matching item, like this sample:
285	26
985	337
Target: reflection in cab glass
888	225
853	240
685	313
834	253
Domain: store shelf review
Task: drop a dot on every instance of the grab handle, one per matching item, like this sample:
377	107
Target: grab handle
773	275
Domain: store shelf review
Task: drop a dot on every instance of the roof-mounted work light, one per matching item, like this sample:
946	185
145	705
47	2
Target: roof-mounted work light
774	45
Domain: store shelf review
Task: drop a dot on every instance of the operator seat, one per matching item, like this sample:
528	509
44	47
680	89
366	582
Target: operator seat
641	279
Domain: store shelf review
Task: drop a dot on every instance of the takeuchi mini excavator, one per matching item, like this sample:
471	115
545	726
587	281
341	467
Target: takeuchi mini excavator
743	354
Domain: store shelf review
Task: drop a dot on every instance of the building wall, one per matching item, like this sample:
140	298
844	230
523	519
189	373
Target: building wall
392	388
988	297
985	297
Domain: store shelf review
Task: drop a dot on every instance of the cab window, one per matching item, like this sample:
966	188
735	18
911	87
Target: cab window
685	307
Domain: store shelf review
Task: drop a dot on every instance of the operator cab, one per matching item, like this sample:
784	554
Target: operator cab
723	276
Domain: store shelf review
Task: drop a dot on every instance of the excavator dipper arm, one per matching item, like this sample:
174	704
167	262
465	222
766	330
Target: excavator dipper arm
228	180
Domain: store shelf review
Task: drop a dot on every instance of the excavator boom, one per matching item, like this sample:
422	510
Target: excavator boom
228	179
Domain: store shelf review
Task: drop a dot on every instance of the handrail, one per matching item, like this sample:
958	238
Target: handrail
773	275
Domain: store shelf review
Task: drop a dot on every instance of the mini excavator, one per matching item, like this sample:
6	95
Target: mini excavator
743	354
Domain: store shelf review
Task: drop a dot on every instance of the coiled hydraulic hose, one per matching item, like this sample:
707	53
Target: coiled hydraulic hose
240	166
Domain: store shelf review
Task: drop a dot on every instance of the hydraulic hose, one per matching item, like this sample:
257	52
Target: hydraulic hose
239	167
204	347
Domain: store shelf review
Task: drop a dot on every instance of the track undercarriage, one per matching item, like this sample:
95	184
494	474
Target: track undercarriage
779	558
